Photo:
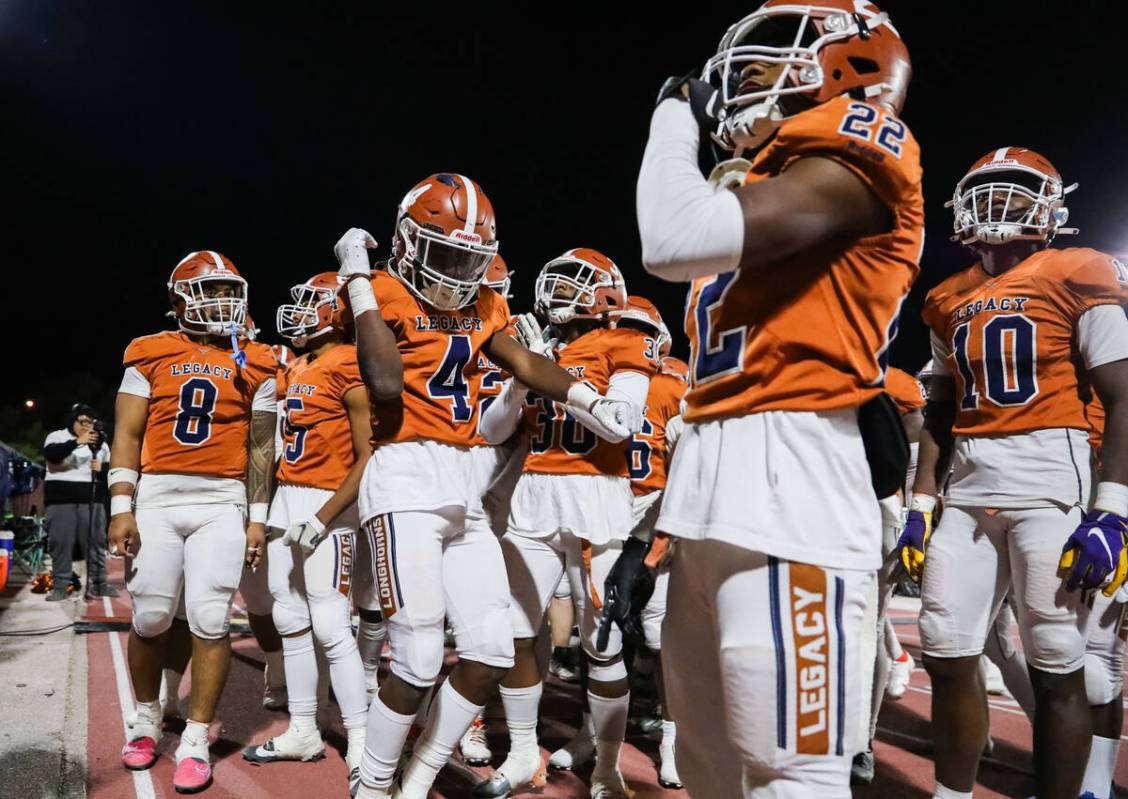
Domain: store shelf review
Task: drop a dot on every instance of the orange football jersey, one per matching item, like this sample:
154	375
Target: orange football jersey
647	454
905	390
558	443
199	403
440	358
812	333
1011	339
489	378
317	445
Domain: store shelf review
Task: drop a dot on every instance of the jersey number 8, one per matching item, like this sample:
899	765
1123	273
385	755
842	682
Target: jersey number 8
197	404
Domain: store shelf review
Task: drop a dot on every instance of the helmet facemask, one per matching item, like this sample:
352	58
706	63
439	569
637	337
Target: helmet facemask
443	271
213	304
567	289
791	36
1012	204
308	316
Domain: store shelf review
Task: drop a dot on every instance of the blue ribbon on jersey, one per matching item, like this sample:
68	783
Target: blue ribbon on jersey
237	354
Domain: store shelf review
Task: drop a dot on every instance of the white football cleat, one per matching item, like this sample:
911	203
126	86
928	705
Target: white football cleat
575	753
667	770
900	672
475	748
517	772
609	786
290	745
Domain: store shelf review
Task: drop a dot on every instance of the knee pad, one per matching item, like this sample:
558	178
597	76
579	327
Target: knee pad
487	638
210	618
150	622
1055	648
332	628
290	618
1102	683
417	651
602	671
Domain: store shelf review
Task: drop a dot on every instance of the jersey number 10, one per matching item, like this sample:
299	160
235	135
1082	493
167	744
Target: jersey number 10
1009	362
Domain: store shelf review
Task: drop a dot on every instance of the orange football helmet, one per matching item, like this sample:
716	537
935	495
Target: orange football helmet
208	295
642	311
676	367
1010	194
498	277
827	49
445	238
313	310
580	284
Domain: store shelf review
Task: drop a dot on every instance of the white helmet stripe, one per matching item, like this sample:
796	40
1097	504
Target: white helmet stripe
1001	154
471	204
217	260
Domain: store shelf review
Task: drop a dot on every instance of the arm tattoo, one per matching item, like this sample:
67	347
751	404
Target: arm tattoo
260	456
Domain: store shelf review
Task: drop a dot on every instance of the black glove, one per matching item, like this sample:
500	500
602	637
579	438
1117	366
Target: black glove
619	592
704	99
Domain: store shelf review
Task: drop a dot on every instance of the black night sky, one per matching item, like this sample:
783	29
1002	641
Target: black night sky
133	132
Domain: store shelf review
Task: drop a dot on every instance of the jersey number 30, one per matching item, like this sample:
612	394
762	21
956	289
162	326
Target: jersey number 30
197	405
1009	350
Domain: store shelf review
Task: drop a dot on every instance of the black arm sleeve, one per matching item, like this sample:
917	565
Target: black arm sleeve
57	453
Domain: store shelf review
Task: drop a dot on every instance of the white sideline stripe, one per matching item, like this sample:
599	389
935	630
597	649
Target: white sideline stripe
106	606
993	705
142	780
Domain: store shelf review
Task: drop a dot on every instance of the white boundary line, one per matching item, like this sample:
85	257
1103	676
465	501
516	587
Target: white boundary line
142	780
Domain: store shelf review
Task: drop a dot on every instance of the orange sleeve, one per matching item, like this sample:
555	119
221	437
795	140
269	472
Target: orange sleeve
1090	279
632	350
905	390
869	141
143	353
347	374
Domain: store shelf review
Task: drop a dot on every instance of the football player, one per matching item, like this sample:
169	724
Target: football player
312	557
1020	341
190	469
419	325
893	665
801	251
571	507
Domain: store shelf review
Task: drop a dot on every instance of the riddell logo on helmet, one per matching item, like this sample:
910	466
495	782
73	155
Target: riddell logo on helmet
470	238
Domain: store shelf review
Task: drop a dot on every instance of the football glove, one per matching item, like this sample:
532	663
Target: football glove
913	542
1096	554
625	592
352	252
704	99
532	337
621	418
307	534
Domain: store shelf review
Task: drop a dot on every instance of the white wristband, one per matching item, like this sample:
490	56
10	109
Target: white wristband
316	524
923	503
121	503
361	297
582	396
123	475
256	513
1112	498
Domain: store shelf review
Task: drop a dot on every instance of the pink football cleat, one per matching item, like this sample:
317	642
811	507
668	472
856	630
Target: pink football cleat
192	775
139	754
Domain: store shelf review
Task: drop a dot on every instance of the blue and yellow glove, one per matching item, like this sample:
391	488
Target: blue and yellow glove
914	538
1096	555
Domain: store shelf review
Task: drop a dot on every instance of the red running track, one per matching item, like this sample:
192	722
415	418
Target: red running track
902	748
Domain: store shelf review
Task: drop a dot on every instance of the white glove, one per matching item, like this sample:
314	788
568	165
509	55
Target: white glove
530	335
622	418
352	252
307	534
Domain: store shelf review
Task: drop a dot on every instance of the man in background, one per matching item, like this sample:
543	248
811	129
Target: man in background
75	496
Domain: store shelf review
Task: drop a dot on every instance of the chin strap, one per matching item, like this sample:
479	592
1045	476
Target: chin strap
237	354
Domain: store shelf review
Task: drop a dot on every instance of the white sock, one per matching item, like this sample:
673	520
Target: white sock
522	707
383	745
356	739
172	685
370	637
947	793
149	712
609	718
1101	766
451	716
275	669
892	643
301	676
669	734
195	735
347	675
